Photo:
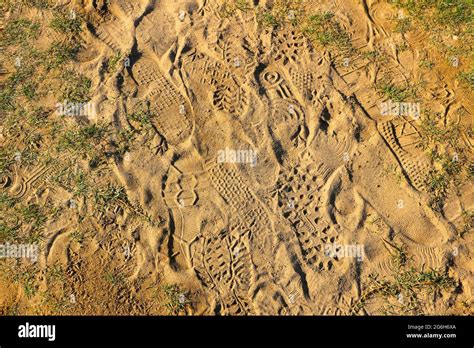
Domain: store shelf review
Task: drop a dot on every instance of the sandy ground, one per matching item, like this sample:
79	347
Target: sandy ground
273	175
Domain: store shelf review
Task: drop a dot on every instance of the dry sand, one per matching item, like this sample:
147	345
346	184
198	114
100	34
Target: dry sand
270	181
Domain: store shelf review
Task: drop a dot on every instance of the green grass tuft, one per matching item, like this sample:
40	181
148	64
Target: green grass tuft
66	23
19	31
